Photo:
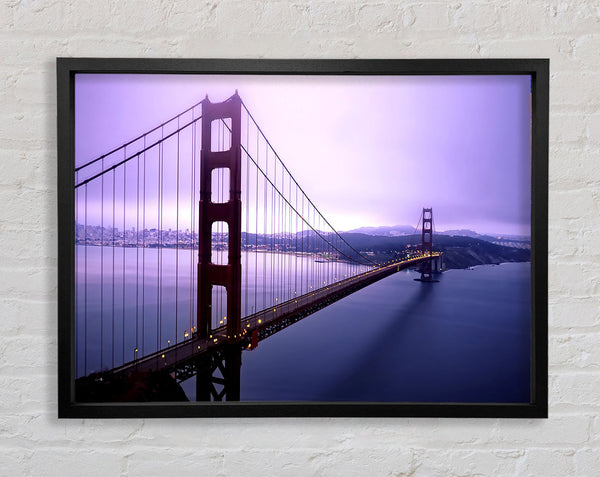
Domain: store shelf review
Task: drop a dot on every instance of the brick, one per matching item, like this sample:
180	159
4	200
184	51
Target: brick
595	431
16	49
128	45
34	87
576	17
14	309
21	394
332	16
76	462
575	351
27	207
574	204
587	95
22	128
574	390
469	462
573	279
27	283
20	168
472	16
409	46
293	463
557	430
587	461
516	45
177	16
548	462
380	17
299	462
516	19
272	14
575	166
576	238
431	16
556	17
294	433
89	15
574	312
15	461
593	132
21	254
189	462
105	432
591	242
30	354
585	50
45	15
566	238
568	128
149	16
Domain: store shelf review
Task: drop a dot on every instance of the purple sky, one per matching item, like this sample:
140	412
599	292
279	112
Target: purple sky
368	151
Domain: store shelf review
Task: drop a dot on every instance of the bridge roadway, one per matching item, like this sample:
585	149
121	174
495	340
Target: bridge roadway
265	323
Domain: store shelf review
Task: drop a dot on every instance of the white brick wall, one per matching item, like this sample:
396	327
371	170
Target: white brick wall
34	442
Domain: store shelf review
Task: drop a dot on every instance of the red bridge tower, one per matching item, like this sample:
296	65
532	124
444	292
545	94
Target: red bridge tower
209	274
429	267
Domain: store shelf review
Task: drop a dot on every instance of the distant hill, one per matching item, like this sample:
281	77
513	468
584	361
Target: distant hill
385	231
399	230
514	241
459	251
488	237
461	232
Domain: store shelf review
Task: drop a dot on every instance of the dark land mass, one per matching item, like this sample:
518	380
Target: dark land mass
397	230
138	387
459	251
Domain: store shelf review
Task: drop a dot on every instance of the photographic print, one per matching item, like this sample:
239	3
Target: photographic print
306	238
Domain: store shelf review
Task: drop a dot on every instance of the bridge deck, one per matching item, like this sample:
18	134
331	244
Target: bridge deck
264	323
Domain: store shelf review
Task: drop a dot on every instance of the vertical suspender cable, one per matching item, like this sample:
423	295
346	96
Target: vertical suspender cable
123	251
85	288
256	236
275	222
272	209
144	255
264	303
102	268
160	236
137	252
191	254
77	286
247	205
113	268
295	240
177	240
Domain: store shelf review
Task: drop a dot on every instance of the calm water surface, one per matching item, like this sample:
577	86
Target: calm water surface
463	339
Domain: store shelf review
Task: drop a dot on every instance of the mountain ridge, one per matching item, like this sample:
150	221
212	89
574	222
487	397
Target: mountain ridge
402	230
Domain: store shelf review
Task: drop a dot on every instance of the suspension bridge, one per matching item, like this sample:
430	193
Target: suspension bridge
194	241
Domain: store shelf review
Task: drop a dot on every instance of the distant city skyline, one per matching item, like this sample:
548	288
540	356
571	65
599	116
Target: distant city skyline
94	230
369	151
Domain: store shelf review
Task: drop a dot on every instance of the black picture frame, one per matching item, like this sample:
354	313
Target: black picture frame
67	68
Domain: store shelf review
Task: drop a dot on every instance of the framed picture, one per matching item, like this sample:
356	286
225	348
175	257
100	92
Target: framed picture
302	237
